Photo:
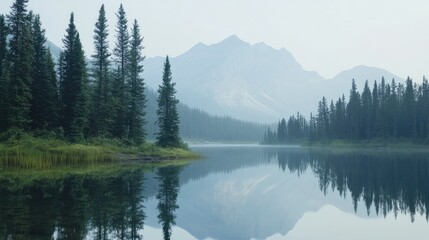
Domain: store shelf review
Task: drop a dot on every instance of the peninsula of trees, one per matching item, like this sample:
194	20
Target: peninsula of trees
388	112
72	99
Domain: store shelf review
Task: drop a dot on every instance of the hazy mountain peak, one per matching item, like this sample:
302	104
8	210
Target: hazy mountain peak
362	73
232	40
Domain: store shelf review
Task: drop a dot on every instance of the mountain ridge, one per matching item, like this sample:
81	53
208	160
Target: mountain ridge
253	82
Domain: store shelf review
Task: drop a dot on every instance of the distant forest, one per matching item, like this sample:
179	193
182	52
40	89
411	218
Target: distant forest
388	111
199	126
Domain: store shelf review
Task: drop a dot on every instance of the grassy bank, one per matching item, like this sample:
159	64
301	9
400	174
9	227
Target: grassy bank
41	153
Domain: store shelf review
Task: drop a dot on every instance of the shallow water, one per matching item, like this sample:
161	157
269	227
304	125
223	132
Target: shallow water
235	192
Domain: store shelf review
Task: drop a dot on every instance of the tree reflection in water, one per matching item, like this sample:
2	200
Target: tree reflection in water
390	181
74	207
167	197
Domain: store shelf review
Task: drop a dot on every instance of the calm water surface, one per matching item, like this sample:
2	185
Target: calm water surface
236	192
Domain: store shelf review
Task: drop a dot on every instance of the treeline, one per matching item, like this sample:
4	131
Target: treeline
388	111
71	99
197	125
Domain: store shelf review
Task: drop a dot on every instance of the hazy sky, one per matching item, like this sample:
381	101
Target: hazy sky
327	36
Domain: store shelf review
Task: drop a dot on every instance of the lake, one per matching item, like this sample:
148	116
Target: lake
235	192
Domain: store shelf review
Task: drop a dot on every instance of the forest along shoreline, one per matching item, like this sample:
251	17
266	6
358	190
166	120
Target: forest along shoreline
67	112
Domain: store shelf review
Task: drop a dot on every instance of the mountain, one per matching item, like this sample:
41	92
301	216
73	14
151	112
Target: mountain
251	82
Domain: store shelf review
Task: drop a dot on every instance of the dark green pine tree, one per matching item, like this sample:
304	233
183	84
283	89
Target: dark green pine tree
4	73
100	90
282	131
52	78
20	59
44	103
121	55
366	112
74	86
137	98
168	117
354	113
408	110
323	118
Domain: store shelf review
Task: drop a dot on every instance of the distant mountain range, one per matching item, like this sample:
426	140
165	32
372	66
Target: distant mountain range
252	82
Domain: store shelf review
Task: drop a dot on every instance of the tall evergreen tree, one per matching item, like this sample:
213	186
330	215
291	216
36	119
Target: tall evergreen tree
100	109
137	99
74	86
408	124
43	104
20	59
367	111
282	131
323	119
375	110
354	112
121	57
4	73
168	118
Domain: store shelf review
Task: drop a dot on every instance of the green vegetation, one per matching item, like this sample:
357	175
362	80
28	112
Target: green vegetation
389	115
168	118
73	116
29	152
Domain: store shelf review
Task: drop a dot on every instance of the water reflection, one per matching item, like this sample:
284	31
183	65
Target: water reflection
234	193
167	198
389	181
74	207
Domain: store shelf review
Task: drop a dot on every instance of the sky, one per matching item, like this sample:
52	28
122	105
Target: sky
327	36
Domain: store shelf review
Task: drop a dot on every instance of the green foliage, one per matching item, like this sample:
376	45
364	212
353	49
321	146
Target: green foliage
43	109
22	150
4	73
101	86
121	55
74	86
20	60
137	97
168	117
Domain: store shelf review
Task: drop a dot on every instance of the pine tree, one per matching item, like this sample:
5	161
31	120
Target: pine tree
3	42
375	126
121	57
408	110
4	73
74	86
367	109
168	118
354	113
323	119
100	109
137	101
43	104
20	59
282	131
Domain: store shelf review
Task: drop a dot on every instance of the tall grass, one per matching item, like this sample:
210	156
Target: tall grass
43	153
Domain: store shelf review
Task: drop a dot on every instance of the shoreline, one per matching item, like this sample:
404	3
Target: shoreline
42	153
